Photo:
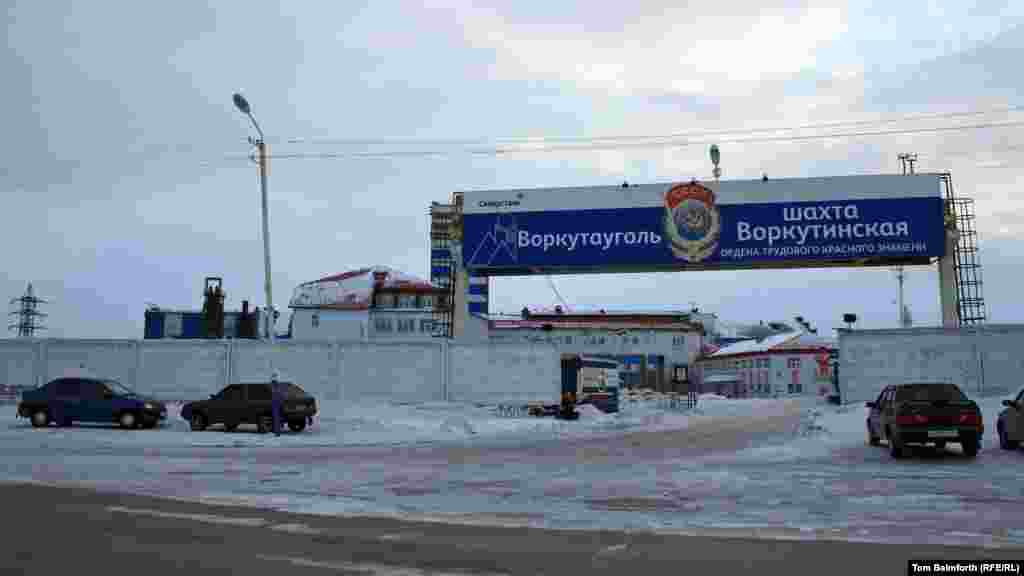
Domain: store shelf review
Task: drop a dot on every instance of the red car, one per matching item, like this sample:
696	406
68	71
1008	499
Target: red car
925	413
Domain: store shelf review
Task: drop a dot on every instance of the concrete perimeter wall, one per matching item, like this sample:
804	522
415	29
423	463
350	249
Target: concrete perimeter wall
398	371
982	360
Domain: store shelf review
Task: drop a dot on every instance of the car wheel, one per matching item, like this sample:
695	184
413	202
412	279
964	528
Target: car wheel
40	419
1004	441
128	420
970	446
264	424
198	422
896	447
297	425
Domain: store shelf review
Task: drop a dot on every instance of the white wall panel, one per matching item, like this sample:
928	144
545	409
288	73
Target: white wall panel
404	372
17	363
182	370
113	359
311	365
983	361
503	373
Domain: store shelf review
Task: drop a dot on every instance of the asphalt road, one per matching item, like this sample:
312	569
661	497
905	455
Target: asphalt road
76	530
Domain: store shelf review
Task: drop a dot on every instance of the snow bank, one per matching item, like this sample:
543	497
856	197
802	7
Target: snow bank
341	423
826	427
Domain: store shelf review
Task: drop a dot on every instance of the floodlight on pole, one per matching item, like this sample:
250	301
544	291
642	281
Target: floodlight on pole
243	106
716	157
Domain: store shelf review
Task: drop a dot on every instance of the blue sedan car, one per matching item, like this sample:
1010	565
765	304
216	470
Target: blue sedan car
68	400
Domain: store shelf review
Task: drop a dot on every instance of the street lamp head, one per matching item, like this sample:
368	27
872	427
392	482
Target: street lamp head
241	103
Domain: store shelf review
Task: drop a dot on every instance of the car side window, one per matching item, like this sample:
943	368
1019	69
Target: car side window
1020	397
232	393
91	389
68	387
259	392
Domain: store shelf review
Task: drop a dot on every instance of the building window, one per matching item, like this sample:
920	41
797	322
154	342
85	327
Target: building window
406	300
568	339
425	301
385	300
316	320
793	363
406	324
382	324
426	326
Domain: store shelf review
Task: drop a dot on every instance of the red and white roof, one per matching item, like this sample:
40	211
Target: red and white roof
777	343
352	290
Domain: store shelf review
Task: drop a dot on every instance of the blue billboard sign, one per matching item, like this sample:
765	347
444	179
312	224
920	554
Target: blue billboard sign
854	220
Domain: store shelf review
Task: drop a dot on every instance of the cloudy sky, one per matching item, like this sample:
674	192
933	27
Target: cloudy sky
124	178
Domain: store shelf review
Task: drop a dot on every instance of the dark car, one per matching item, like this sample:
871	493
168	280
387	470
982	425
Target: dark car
1010	425
68	400
925	413
252	404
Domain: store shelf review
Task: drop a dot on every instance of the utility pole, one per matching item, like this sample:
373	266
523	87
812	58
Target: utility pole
261	149
902	316
907	161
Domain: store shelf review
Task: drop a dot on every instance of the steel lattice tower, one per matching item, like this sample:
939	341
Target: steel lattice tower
29	318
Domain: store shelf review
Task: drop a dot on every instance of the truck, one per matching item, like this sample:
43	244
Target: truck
600	379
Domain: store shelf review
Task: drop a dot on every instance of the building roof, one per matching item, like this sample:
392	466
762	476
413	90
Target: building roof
353	290
776	343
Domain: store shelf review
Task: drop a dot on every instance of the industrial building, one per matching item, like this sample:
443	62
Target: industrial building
795	363
655	349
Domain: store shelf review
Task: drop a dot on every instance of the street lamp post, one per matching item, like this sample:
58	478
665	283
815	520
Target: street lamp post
261	148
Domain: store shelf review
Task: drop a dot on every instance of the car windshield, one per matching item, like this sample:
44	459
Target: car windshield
293	391
929	393
117	387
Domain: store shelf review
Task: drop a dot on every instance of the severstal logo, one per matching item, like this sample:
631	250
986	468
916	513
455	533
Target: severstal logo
499	203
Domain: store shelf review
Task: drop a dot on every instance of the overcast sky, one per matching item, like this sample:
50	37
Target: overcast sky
124	179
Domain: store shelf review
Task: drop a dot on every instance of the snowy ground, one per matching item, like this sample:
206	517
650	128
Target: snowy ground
795	469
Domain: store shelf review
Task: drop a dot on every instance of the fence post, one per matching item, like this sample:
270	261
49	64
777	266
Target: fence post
979	358
43	360
340	370
228	354
138	366
445	363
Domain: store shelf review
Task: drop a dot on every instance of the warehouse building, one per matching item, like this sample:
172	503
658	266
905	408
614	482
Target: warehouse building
655	349
794	363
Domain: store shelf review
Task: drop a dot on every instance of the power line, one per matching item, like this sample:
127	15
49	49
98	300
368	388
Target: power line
551	282
531	140
668	143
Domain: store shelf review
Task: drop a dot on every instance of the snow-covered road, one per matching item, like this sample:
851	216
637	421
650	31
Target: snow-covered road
791	468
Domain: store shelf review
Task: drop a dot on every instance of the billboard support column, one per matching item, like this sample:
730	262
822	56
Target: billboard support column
947	282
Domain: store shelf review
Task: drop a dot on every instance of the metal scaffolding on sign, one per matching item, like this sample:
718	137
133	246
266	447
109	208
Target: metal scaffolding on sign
967	264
